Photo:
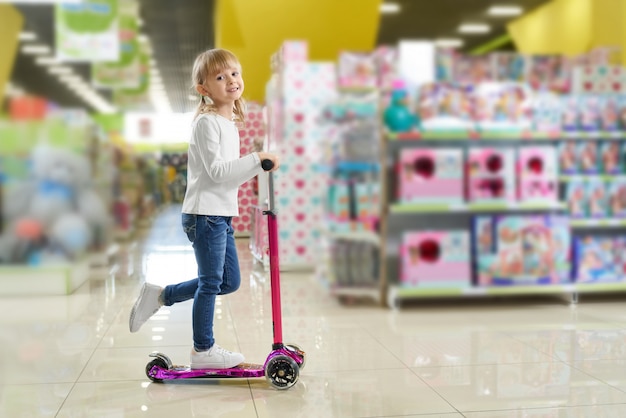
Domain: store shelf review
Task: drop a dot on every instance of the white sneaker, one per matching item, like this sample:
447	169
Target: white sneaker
146	305
215	358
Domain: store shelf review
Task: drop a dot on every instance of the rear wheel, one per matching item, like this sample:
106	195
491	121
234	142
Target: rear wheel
159	362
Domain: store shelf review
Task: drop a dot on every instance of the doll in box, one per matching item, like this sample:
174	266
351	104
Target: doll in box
610	114
619	257
431	175
568	157
491	174
588	157
547	113
571	114
538	174
598	198
617	198
508	66
357	70
577	198
436	258
590	115
594	259
611	157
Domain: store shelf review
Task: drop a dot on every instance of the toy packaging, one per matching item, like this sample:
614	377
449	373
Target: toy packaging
547	113
472	69
599	79
577	200
617	197
588	156
612	157
501	106
386	58
491	174
590	111
357	70
571	114
568	157
522	250
430	175
436	259
594	260
537	174
548	72
597	196
610	111
445	107
444	62
508	66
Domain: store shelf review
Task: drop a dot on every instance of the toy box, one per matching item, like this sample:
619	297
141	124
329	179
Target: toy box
588	156
546	113
571	114
472	69
386	58
357	70
617	197
537	174
491	174
610	112
445	107
519	250
501	107
568	157
611	157
436	258
430	175
594	260
590	111
508	66
577	201
549	72
339	201
597	196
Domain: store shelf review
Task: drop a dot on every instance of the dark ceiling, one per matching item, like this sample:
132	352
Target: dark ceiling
179	30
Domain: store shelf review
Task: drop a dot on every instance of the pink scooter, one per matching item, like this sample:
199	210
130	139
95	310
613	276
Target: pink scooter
283	364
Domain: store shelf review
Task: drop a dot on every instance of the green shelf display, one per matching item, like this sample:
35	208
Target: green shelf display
591	223
399	208
500	136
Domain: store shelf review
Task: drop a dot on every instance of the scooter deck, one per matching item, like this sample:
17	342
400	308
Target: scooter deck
186	372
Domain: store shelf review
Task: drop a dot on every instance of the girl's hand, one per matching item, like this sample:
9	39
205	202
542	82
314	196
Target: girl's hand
272	157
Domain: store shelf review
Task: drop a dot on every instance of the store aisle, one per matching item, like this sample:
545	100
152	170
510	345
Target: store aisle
73	356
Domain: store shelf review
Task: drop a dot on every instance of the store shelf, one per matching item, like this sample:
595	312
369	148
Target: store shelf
597	223
350	166
500	136
603	177
361	236
407	208
401	292
52	279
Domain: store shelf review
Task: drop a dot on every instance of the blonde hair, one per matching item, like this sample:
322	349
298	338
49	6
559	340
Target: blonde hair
209	63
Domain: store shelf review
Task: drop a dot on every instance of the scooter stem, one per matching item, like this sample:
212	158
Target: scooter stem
272	229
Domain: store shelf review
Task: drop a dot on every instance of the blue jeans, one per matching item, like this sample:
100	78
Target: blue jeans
218	272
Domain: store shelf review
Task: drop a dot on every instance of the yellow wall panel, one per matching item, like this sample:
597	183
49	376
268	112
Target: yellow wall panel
11	22
254	30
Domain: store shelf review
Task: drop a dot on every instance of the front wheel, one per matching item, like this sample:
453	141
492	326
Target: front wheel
282	372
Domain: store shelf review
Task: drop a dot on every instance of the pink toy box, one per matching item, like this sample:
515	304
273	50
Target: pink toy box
491	174
436	259
537	174
522	250
430	175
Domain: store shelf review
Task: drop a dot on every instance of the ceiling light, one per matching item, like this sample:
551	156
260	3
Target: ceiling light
474	28
27	36
36	49
505	11
59	70
389	8
46	61
449	43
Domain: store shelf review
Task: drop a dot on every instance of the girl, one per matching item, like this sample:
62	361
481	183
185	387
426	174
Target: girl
215	172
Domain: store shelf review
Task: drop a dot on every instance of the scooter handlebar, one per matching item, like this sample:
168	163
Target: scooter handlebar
267	164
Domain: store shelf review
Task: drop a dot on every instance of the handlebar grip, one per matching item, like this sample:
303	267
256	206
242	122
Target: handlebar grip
267	165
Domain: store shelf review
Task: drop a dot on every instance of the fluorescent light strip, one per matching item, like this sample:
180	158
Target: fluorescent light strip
36	49
59	70
27	36
46	61
449	43
389	8
474	28
505	11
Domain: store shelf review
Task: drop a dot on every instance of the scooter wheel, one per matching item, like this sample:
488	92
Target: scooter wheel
282	372
156	362
299	352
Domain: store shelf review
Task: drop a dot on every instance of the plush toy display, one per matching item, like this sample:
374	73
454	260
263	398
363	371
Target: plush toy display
398	116
58	202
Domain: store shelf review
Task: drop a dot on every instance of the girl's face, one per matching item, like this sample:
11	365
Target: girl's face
226	86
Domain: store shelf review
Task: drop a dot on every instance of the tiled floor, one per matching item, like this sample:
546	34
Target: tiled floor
73	356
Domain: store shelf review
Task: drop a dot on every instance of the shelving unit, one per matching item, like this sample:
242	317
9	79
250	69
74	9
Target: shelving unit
400	215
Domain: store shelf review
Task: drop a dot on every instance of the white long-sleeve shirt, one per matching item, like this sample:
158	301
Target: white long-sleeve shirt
215	169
